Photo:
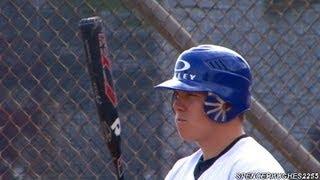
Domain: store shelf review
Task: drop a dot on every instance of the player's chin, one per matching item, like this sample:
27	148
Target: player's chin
185	135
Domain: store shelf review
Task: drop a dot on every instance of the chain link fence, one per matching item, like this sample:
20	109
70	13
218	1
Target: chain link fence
48	120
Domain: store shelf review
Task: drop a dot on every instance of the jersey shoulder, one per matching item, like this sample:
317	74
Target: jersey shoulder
253	157
186	163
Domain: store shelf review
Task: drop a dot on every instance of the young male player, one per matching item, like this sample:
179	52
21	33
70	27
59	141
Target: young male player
211	87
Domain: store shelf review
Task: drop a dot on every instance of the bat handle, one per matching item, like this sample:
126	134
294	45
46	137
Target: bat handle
119	165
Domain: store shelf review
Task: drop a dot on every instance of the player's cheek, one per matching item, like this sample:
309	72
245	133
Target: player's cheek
186	132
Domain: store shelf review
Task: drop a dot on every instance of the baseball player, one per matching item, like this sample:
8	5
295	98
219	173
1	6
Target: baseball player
211	91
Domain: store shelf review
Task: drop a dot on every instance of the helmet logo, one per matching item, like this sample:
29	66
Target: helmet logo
181	65
218	108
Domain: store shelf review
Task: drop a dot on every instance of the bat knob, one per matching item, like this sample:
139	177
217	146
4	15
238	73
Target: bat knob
90	22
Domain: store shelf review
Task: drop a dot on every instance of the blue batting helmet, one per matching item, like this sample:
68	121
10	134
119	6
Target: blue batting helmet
220	72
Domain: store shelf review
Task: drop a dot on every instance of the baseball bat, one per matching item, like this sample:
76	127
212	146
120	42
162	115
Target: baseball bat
99	67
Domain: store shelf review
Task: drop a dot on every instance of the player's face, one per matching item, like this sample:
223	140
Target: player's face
191	120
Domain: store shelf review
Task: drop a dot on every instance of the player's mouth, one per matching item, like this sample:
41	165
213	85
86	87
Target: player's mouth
181	120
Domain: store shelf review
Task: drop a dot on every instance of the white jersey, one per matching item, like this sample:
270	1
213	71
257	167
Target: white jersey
246	156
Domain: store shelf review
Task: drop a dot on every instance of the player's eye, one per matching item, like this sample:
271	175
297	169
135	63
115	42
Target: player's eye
184	95
191	94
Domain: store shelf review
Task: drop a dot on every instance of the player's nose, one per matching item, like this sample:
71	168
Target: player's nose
179	105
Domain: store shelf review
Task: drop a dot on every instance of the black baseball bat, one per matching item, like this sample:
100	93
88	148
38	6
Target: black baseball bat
99	67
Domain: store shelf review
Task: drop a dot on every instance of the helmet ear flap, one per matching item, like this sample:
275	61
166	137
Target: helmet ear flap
217	109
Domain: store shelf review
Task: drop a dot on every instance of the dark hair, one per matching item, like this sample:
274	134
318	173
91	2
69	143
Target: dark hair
242	117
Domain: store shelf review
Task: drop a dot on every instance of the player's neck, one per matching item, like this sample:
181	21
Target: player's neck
212	145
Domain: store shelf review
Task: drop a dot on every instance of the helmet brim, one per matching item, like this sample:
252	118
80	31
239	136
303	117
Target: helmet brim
176	84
